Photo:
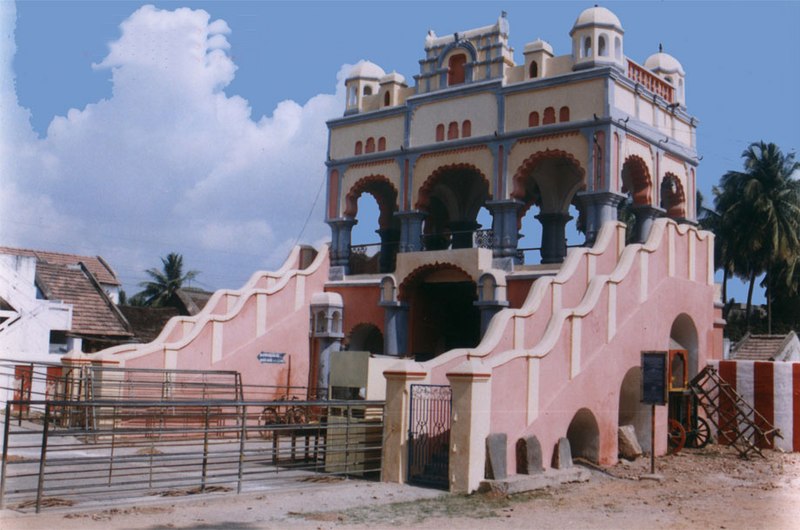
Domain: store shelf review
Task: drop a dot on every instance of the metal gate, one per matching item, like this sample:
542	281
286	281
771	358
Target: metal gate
429	435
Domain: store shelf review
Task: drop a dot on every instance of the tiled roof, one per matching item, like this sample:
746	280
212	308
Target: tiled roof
759	348
193	299
92	313
147	322
96	265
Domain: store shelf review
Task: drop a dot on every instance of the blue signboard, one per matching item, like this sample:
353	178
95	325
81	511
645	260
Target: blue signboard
268	357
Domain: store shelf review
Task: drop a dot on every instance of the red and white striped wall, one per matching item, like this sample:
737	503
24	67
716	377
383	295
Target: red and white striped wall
773	389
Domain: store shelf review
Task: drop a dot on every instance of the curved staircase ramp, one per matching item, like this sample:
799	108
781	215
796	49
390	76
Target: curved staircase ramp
228	307
579	310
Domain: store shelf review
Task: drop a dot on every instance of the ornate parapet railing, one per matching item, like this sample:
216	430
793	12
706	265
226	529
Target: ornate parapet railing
650	81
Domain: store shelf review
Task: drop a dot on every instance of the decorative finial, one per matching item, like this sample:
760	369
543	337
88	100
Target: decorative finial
660	48
503	14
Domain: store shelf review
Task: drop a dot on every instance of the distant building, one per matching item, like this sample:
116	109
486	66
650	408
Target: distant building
767	348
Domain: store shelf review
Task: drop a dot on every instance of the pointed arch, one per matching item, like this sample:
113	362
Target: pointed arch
673	196
550	178
636	180
385	194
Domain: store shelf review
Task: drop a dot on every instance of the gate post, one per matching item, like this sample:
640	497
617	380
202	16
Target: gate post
395	428
471	412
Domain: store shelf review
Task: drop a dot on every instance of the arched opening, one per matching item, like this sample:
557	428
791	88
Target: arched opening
440	132
549	180
466	129
533	119
456	73
366	337
336	322
382	144
367	90
387	99
583	434
370	148
587	47
563	114
636	180
549	116
452	130
321	325
533	71
452	197
602	49
442	313
631	410
359	147
683	336
617	48
673	198
373	196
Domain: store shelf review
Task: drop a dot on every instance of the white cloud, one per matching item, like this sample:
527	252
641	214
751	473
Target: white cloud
169	161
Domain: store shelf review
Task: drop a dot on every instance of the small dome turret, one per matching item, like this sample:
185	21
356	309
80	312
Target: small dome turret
362	81
597	39
670	70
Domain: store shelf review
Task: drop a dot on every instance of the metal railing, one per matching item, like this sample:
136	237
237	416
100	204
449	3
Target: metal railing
133	448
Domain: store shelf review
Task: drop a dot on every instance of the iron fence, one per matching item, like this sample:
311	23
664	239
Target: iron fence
134	448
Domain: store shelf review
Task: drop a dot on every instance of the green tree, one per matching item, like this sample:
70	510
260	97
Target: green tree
164	283
760	216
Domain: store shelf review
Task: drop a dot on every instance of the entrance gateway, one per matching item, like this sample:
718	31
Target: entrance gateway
429	435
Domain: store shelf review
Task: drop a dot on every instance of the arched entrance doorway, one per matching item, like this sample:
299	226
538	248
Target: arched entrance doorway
366	337
452	197
631	409
584	436
442	314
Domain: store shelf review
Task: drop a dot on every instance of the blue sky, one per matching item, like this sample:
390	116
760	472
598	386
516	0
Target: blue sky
198	127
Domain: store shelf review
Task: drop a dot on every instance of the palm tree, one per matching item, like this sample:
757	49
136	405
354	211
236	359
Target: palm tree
760	209
160	290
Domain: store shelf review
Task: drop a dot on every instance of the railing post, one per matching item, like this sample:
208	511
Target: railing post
113	443
242	438
43	458
6	429
205	452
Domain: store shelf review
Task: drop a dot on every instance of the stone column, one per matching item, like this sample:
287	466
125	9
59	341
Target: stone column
390	241
598	208
341	230
411	230
505	227
399	379
471	412
554	240
395	332
645	216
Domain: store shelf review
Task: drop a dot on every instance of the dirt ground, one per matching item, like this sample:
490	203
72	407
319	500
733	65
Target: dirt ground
708	488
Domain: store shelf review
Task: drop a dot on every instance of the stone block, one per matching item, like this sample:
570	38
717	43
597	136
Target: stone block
496	465
529	456
629	447
562	456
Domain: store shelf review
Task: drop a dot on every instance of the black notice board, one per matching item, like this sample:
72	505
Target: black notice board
654	377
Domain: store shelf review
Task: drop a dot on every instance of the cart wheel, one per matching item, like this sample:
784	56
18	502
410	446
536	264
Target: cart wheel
295	416
268	418
676	437
702	434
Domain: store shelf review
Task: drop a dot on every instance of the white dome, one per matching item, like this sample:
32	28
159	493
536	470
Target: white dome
327	299
596	16
366	69
663	63
393	77
538	45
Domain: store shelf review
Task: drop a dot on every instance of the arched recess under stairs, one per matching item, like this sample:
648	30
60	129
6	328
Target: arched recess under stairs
442	314
365	337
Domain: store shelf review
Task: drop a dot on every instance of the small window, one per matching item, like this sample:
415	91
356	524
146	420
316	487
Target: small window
387	99
587	47
466	129
602	51
533	119
533	72
452	131
351	96
563	114
367	90
381	144
549	116
455	69
440	132
617	48
668	79
370	145
359	147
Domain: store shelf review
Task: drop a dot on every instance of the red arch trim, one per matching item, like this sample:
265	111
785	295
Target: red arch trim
427	187
421	272
387	202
